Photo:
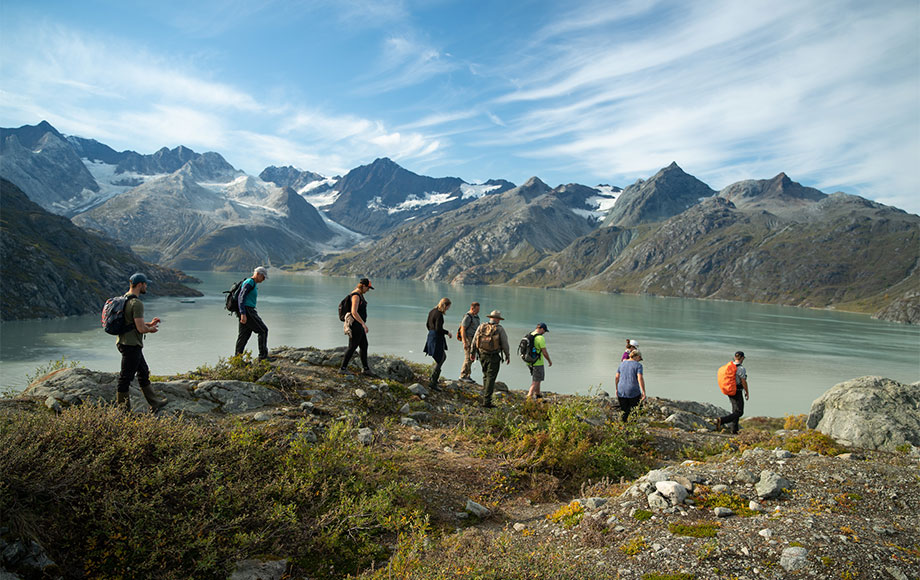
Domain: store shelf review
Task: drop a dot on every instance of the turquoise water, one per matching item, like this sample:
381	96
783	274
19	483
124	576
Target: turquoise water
793	355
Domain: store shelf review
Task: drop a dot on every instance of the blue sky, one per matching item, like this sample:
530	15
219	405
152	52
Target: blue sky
587	92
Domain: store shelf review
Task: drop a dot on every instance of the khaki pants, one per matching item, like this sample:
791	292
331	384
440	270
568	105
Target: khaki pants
467	363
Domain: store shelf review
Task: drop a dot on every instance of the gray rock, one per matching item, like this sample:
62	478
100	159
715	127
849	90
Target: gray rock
307	406
418	389
366	435
259	570
673	491
405	409
593	503
519	527
238	396
869	412
261	416
684	481
658	501
688	421
755	506
723	512
360	393
794	558
771	485
895	573
477	510
781	454
720	488
656	475
54	404
746	476
408	422
315	395
766	533
702	411
420	416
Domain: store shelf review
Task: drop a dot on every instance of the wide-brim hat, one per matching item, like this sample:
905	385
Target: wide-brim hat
496	314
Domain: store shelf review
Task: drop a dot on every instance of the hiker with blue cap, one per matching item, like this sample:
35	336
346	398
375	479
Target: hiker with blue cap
131	346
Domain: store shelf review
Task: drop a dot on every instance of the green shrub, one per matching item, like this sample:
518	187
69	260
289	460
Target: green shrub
50	367
642	515
700	530
240	367
558	440
106	491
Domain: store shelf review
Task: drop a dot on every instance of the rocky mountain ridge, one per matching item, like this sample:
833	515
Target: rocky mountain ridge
52	268
770	240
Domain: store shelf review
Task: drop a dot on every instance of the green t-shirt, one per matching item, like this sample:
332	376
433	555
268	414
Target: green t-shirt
133	309
539	341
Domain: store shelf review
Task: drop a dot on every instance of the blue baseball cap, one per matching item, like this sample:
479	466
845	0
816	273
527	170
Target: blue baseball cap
137	278
543	326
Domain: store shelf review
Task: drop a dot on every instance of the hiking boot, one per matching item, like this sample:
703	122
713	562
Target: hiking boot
123	400
370	373
346	372
488	405
467	380
155	403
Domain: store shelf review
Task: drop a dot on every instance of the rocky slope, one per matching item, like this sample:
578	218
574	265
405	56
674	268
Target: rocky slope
666	194
479	243
50	267
228	225
769	503
45	166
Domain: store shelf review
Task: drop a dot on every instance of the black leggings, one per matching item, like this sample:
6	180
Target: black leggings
357	340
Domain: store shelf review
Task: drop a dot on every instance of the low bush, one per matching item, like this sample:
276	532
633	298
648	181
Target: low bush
699	530
559	440
105	492
240	367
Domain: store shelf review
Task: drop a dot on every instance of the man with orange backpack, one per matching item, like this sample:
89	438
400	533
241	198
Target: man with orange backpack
731	376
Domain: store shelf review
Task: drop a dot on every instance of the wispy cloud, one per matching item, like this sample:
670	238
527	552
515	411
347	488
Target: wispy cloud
131	99
748	89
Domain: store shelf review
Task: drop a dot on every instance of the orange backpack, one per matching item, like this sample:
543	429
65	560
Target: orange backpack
726	378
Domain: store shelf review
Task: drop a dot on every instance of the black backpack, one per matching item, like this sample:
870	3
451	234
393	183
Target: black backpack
113	315
527	350
345	306
233	298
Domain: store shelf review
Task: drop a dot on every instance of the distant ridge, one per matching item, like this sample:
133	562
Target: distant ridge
53	268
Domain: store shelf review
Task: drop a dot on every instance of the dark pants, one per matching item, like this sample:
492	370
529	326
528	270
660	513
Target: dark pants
436	373
132	363
627	404
737	409
491	363
253	324
358	339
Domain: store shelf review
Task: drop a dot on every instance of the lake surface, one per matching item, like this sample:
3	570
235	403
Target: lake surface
793	355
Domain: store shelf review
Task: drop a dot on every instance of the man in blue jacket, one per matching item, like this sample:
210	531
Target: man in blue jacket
249	318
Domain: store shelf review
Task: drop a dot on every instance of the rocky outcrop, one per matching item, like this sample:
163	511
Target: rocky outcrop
869	412
904	309
53	268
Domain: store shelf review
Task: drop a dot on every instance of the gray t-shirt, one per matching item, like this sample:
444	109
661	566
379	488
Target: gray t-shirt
470	322
740	373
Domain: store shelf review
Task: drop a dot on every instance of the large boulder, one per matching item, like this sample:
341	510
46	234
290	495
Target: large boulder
76	386
869	412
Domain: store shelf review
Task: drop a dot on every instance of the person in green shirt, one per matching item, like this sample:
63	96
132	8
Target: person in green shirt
131	346
537	369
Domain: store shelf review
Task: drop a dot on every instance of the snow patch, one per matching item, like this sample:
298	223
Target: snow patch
475	191
323	199
411	203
